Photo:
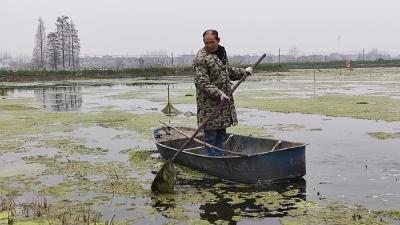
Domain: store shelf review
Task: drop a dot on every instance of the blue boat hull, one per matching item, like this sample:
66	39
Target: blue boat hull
261	165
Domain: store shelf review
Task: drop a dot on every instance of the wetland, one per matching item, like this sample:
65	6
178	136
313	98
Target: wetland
80	152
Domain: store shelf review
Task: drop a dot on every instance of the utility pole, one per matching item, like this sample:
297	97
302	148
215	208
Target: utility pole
363	55
279	57
314	80
172	58
294	54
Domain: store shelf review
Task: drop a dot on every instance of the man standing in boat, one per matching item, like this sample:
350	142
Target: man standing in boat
212	79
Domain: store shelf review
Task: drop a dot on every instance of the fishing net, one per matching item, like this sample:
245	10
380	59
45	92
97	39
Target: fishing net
169	109
165	179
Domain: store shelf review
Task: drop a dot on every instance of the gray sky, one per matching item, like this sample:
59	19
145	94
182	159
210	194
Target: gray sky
246	26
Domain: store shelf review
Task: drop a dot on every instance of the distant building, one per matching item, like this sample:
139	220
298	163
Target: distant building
5	64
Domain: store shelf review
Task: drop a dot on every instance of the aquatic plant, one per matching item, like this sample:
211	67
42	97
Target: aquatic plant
384	135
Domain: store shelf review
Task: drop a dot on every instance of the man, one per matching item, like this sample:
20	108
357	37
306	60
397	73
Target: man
212	79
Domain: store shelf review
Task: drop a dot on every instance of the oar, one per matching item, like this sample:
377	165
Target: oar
202	142
276	145
166	177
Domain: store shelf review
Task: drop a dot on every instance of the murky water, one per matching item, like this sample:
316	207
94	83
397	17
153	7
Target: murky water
343	162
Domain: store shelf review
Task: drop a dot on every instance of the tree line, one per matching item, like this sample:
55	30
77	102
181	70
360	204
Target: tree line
59	49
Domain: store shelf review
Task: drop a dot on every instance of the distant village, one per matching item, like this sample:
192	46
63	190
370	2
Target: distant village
120	62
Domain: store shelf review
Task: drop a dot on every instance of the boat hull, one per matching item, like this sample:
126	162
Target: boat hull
257	167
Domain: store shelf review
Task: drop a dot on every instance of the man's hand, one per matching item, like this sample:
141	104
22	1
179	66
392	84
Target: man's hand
249	70
224	98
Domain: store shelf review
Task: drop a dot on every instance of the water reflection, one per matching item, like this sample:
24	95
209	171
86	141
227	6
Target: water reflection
231	201
247	205
4	91
60	99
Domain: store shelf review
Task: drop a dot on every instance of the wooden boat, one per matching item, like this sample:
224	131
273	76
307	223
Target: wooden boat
260	163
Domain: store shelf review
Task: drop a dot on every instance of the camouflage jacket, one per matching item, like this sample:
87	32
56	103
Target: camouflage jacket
212	79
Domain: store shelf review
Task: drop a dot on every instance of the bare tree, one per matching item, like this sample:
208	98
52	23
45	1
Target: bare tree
68	46
75	45
53	48
39	51
62	30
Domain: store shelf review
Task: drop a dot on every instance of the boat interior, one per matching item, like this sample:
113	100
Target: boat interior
247	145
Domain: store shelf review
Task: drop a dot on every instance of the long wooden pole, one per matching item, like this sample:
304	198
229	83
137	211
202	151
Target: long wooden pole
202	142
216	110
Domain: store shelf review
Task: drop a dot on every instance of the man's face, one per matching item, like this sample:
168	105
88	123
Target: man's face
210	42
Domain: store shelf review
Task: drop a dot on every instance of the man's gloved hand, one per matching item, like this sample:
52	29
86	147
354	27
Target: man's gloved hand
224	98
249	70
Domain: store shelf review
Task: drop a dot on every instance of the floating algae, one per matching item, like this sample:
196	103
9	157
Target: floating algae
390	213
384	135
308	212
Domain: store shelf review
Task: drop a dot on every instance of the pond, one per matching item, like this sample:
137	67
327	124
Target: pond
80	138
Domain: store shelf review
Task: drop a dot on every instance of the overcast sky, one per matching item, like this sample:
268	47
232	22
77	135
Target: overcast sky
248	26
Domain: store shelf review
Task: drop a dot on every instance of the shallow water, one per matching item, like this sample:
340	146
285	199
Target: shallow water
343	162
